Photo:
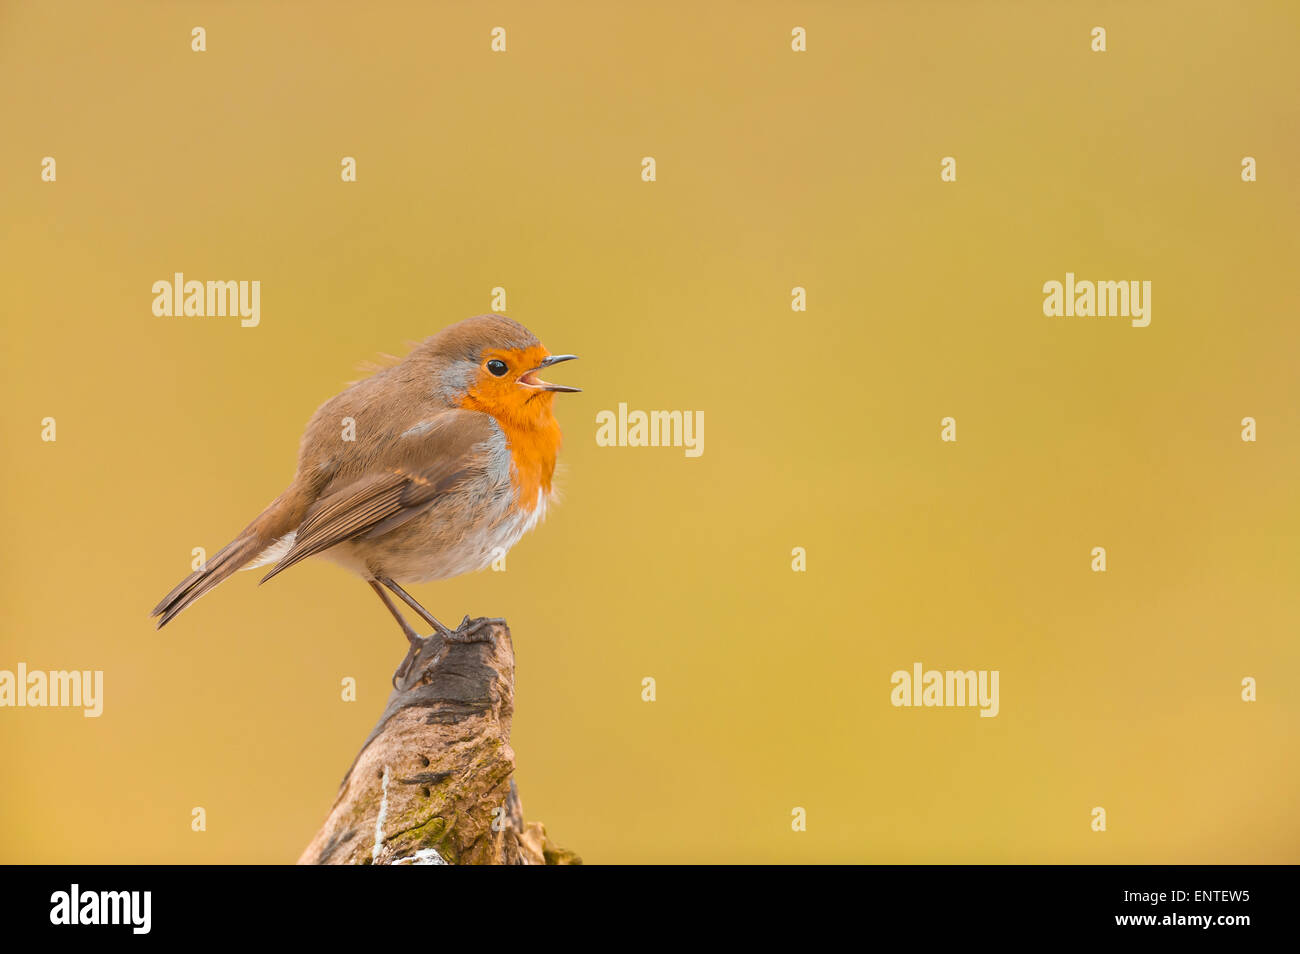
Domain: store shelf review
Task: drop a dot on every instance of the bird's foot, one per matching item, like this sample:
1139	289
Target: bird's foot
469	631
473	630
417	644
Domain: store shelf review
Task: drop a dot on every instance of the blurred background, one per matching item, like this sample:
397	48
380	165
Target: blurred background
775	169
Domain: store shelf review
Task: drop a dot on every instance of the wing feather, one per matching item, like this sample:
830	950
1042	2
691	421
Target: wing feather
428	468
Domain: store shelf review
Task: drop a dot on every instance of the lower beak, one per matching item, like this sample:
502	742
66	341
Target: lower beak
529	380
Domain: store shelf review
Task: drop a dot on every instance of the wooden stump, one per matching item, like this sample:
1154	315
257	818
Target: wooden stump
433	783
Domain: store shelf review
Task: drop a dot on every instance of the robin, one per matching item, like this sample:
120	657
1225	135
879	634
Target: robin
451	462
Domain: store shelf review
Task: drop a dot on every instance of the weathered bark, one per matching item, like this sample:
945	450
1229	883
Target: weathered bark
433	782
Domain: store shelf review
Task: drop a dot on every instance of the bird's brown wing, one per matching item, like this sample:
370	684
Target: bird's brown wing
420	469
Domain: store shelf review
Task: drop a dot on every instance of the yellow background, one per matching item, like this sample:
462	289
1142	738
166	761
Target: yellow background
775	169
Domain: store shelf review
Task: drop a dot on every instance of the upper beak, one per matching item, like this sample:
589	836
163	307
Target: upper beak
529	381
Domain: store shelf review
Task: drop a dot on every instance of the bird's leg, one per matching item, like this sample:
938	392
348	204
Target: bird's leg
410	601
469	631
415	639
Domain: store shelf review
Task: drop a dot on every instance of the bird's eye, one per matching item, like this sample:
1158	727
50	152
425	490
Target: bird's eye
497	367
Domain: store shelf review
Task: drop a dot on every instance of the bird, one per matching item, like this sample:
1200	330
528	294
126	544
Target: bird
429	468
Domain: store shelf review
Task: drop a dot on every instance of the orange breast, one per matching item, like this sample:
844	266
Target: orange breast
532	452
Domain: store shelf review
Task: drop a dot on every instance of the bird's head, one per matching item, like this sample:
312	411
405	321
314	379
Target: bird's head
492	364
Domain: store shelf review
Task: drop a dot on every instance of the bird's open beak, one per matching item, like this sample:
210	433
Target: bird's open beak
530	379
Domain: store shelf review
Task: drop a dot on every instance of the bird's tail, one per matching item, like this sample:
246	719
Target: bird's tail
275	521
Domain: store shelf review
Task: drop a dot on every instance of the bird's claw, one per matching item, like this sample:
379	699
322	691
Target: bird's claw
417	644
473	631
